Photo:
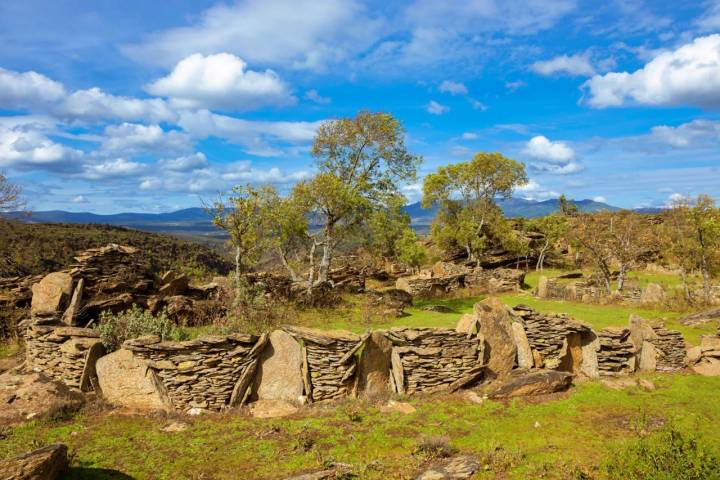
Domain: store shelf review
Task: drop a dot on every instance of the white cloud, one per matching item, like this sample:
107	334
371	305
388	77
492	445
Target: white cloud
699	132
469	136
689	75
436	109
254	136
477	104
22	90
600	199
532	190
551	157
132	138
186	163
315	97
220	81
513	86
79	199
27	148
453	88
573	65
94	104
112	169
291	33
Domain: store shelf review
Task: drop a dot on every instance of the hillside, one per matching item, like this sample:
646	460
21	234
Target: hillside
195	224
36	248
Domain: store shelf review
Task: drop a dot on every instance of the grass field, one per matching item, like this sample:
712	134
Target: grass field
561	438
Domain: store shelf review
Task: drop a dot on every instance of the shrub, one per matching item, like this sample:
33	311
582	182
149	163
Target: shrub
667	454
116	328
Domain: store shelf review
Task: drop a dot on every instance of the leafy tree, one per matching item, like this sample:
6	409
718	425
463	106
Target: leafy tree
567	207
693	238
387	226
466	194
360	161
553	227
409	250
243	216
9	196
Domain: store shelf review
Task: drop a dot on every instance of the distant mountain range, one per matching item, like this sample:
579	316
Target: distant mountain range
196	221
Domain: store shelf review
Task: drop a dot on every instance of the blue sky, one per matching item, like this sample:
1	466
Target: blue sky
154	106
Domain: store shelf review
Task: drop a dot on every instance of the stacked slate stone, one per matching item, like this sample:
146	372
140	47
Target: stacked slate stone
111	263
495	280
433	359
547	333
66	354
670	350
329	361
617	353
212	372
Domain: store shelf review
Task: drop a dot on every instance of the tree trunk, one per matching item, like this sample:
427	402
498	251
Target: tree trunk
686	288
326	261
541	257
311	272
238	282
621	279
286	264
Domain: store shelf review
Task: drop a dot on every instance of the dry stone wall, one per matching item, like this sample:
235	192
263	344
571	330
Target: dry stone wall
212	372
670	350
433	359
617	353
67	354
329	361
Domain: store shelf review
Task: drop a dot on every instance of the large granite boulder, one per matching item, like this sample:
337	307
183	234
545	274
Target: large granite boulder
50	294
523	383
25	396
496	328
374	368
652	294
46	463
126	380
279	375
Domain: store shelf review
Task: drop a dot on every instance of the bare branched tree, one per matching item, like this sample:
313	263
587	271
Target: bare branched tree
10	199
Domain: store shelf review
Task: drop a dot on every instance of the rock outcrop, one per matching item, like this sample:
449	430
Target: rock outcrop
522	383
25	396
126	380
46	463
705	359
447	277
495	323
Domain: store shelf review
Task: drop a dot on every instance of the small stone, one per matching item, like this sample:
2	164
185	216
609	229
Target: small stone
394	406
646	384
175	427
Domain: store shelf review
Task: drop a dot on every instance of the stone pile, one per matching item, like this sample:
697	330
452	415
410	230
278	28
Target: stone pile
17	291
552	335
329	361
212	372
445	277
389	303
705	359
670	350
66	354
617	353
433	359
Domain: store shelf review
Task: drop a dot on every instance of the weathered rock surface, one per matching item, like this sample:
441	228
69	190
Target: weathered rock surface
522	383
50	295
46	463
34	395
496	328
617	353
127	381
456	468
391	302
272	408
446	277
374	367
652	294
706	358
279	375
700	318
524	352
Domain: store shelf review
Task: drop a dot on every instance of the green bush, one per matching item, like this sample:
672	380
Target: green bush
116	328
665	455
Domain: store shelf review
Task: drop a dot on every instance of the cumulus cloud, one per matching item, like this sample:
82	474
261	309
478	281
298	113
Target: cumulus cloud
689	75
112	169
551	157
599	199
302	34
314	96
186	163
94	104
532	190
220	81
27	148
709	21
469	136
79	199
700	132
453	88
26	89
132	138
573	65
477	104
436	108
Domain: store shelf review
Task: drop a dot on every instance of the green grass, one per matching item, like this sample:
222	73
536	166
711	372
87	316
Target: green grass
9	349
516	440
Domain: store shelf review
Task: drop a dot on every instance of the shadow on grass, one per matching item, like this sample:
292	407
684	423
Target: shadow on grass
86	473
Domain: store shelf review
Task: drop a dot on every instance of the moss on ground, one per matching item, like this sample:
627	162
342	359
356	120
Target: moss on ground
561	438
